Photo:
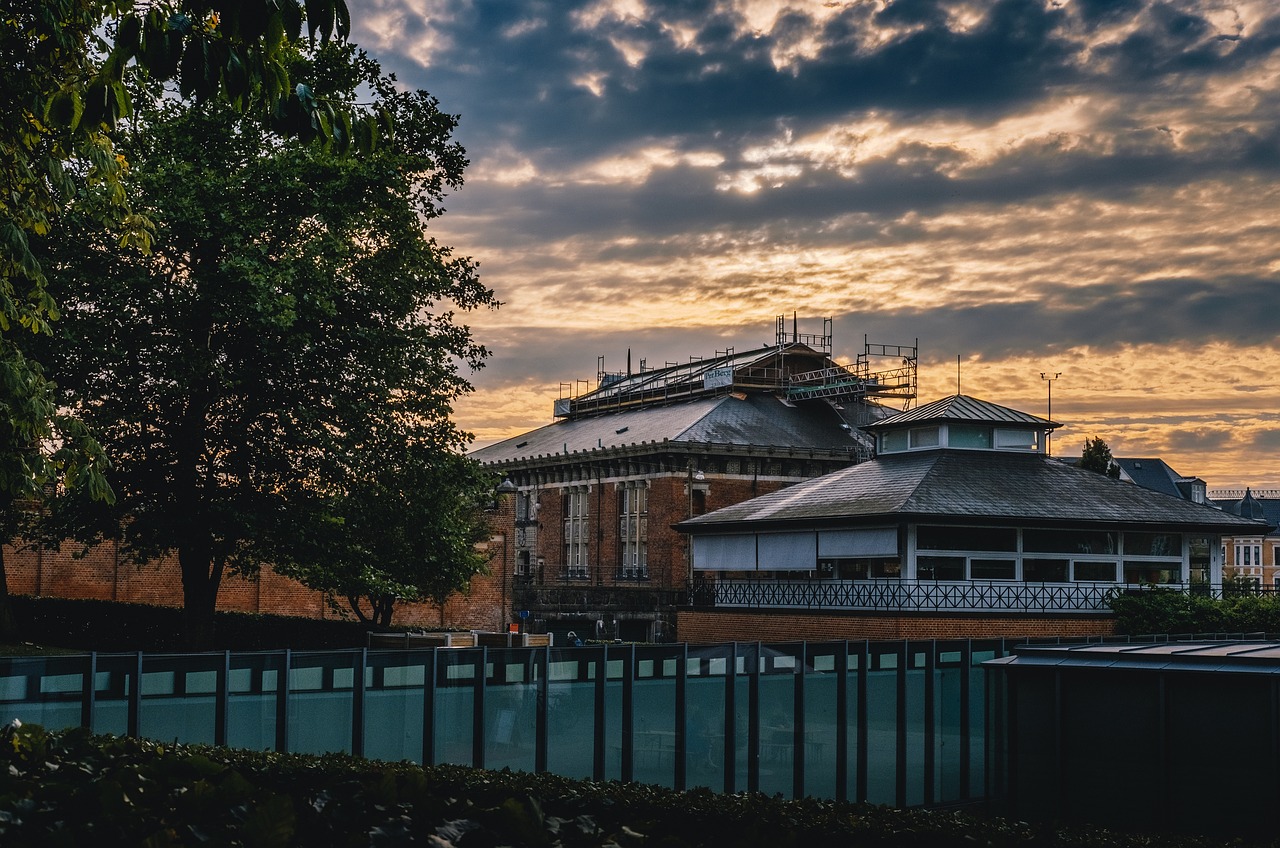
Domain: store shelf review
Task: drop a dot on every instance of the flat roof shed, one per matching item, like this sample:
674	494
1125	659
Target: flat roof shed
1157	736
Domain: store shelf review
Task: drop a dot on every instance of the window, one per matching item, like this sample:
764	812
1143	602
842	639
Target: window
1045	570
940	568
968	436
859	568
576	532
930	538
1153	544
924	437
993	569
893	441
1094	572
1027	440
633	529
1152	572
1069	541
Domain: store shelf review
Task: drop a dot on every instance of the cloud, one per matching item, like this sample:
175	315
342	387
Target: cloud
1086	186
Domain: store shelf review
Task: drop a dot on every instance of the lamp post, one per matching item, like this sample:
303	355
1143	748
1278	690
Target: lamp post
506	487
1048	434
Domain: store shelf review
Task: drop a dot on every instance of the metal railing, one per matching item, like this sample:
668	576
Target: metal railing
885	722
906	595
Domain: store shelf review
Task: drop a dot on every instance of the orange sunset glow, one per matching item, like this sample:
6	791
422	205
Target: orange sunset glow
1083	188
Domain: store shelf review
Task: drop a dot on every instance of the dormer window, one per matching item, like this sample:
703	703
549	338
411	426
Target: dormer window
961	423
924	437
969	436
1007	439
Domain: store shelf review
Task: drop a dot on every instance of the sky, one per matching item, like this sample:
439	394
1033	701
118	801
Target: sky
1085	188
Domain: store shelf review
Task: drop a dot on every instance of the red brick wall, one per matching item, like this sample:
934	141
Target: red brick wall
100	574
701	626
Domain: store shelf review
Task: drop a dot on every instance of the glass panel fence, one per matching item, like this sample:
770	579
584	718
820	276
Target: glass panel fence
395	699
321	699
510	710
886	722
47	691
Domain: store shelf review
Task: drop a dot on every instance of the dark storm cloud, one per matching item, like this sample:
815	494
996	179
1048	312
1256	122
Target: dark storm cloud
514	70
1267	440
914	178
1181	312
1199	439
1102	316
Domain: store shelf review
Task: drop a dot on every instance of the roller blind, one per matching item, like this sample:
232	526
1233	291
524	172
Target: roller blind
872	542
788	551
725	553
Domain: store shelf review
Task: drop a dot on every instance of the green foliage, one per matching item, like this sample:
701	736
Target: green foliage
1150	611
64	96
1165	611
1097	457
274	380
72	788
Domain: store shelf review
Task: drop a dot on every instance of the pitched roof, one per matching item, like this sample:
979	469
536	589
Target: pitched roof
965	409
1263	509
970	486
1154	474
754	420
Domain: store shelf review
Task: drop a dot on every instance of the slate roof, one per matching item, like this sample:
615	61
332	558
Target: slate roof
757	420
1152	474
969	486
962	408
1265	509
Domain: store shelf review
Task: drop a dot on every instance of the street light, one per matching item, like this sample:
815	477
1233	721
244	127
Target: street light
1048	434
506	487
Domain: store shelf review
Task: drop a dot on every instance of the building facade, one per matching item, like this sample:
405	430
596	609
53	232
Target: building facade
1252	560
962	522
586	530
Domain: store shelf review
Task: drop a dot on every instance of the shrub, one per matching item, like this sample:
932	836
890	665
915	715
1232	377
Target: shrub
110	626
72	788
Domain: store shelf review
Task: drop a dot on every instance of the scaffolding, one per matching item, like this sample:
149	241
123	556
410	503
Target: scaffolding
798	367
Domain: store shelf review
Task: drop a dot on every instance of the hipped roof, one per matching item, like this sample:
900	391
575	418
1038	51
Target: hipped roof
970	487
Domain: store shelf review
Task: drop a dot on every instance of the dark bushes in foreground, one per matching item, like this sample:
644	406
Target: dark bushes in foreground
72	788
108	626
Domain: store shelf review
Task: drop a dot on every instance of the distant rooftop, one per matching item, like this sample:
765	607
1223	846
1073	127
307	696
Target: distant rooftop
799	366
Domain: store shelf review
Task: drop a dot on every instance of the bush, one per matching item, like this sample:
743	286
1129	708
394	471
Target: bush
1149	611
72	788
109	626
1166	611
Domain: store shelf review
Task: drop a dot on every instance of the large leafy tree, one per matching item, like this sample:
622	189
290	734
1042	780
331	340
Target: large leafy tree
292	320
62	94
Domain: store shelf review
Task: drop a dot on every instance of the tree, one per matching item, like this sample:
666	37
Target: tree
405	529
292	319
63	96
1097	457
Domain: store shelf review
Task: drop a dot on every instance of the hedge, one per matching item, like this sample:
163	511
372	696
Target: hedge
110	626
74	789
1172	611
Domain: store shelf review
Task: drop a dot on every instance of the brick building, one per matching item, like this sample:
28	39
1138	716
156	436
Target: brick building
583	540
1253	558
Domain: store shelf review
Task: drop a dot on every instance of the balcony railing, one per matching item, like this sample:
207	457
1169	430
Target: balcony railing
991	596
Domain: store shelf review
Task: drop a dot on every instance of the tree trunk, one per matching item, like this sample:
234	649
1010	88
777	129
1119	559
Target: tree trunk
201	576
8	624
383	607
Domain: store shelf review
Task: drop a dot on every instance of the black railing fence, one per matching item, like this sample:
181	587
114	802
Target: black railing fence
993	596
